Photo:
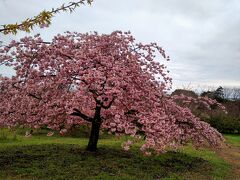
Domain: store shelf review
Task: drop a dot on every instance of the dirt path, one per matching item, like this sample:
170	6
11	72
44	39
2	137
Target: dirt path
231	154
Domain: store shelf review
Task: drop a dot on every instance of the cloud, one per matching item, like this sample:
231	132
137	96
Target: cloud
201	37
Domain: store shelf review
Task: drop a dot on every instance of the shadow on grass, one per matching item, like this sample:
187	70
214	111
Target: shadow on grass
73	162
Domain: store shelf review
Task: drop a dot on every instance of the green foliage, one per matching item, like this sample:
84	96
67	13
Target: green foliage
225	123
217	94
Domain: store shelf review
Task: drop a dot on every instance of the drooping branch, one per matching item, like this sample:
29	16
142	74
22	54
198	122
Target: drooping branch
80	114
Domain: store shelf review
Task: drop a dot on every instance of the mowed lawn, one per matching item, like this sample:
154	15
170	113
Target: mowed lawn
42	157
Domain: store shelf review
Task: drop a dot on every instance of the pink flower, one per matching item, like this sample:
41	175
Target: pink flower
147	153
50	133
126	145
63	131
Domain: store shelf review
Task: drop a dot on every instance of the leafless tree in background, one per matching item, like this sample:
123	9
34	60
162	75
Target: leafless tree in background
236	94
229	93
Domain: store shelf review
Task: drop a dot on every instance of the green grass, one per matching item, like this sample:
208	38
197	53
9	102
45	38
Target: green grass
219	168
43	157
233	139
64	161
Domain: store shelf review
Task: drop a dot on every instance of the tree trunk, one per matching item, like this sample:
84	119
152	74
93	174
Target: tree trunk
94	136
93	140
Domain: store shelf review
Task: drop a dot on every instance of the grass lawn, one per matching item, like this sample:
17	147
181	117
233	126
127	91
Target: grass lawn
42	157
233	139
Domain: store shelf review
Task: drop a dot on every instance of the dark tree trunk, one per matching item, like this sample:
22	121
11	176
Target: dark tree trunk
94	136
93	140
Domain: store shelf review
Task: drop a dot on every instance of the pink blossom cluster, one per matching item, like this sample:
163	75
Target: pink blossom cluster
64	83
201	102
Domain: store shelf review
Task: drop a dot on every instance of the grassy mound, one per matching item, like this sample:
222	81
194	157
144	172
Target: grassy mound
42	157
71	161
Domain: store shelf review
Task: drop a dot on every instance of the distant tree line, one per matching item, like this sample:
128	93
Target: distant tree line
223	94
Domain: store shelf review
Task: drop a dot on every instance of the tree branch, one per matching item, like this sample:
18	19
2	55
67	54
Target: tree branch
43	19
110	104
80	114
34	96
29	94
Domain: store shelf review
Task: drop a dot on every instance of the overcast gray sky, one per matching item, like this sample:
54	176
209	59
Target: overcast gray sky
201	37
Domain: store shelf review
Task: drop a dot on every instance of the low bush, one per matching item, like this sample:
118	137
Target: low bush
225	123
